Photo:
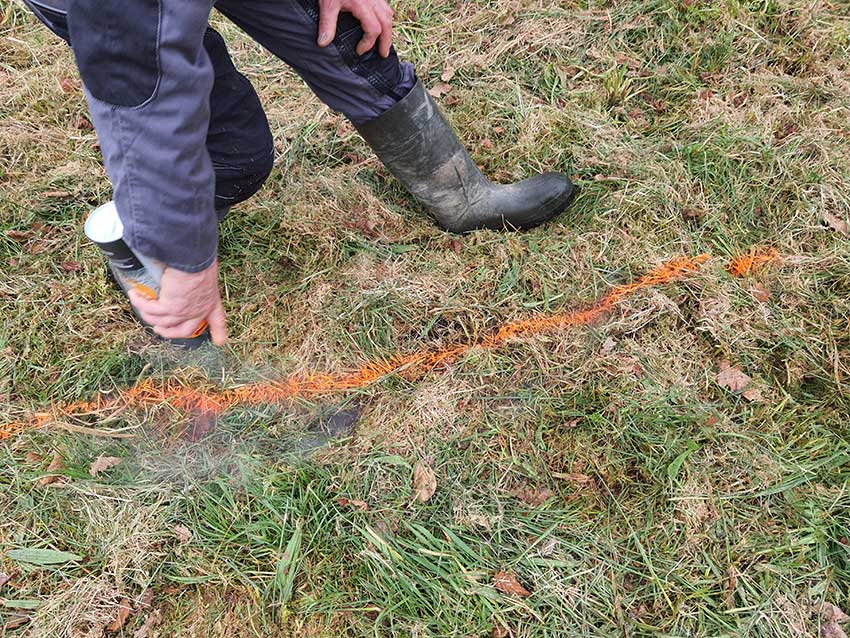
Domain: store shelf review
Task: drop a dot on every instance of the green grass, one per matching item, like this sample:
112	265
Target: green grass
677	507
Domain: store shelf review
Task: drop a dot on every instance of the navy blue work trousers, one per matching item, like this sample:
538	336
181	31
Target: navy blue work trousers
183	133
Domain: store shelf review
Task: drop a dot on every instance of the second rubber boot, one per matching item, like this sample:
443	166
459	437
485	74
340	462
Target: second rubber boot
419	147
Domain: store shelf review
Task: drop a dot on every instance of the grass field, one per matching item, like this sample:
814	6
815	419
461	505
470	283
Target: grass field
604	467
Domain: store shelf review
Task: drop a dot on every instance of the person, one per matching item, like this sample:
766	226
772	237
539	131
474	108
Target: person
184	136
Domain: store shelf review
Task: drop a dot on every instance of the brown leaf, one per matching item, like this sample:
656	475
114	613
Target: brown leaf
533	496
70	266
731	377
55	465
625	60
451	100
508	20
183	534
447	74
573	477
759	292
16	622
32	457
731	585
507	583
148	628
56	194
411	15
833	613
424	482
103	463
832	629
4	578
124	611
753	395
202	423
486	143
500	631
19	235
83	124
836	223
439	90
456	245
359	505
67	85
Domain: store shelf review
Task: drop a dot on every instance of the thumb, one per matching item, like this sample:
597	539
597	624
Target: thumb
218	325
328	15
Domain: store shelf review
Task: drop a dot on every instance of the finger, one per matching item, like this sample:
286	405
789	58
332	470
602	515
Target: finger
328	15
371	30
144	304
386	39
183	330
218	325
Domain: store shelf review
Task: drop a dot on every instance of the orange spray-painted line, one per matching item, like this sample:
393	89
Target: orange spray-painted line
214	402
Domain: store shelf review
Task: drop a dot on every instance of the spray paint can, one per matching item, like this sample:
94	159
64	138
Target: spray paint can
130	270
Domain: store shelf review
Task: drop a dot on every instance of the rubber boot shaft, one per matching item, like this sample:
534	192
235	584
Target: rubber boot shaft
418	146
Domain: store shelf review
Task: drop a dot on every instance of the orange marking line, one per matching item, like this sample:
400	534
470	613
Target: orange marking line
149	392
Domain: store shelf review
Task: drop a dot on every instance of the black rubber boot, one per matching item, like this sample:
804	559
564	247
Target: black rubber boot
419	147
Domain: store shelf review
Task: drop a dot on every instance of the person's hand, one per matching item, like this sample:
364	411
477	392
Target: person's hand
185	301
375	16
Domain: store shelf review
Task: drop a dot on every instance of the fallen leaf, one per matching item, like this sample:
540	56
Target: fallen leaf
124	611
456	245
451	100
202	424
627	61
19	235
83	124
447	74
833	613
439	90
148	628
32	457
500	631
103	463
836	223
693	213
67	85
753	395
359	505
573	477
183	534
15	623
533	496
56	194
507	583
731	585
55	465
424	482
731	377
508	20
705	94
486	143
411	15
4	578
832	629
70	266
759	292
